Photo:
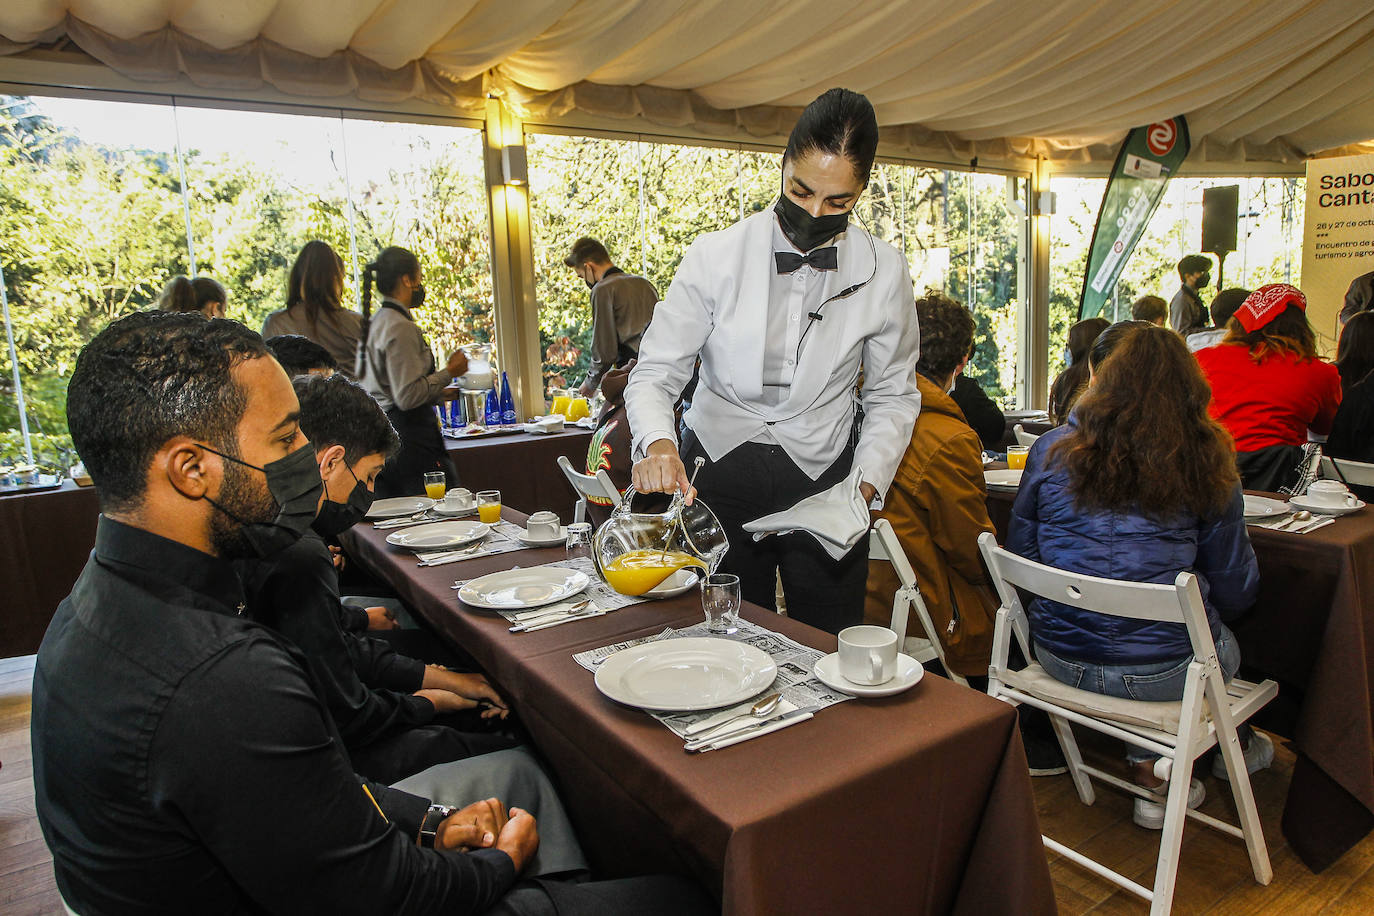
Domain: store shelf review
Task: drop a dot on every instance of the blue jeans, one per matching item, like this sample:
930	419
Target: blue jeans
1151	681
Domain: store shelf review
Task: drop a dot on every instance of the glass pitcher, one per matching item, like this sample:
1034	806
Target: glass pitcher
479	376
650	536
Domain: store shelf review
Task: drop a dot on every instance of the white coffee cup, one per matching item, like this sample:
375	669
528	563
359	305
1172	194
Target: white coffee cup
1330	493
458	499
868	655
542	526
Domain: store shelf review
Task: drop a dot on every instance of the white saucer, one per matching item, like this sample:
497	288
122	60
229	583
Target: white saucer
560	538
909	672
1301	502
1261	506
678	583
1006	477
454	513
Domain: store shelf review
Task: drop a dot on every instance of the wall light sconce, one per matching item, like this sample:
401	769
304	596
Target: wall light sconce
514	166
1046	203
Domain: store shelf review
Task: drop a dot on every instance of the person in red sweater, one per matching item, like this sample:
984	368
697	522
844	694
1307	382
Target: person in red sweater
1268	385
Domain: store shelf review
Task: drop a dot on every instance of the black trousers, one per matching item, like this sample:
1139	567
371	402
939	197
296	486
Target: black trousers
756	480
407	750
422	450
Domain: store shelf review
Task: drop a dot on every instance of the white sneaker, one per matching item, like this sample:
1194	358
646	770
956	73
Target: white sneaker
1150	814
1258	756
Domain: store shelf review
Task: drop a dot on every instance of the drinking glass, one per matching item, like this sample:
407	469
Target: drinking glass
489	506
577	409
580	541
720	601
560	403
436	484
1016	456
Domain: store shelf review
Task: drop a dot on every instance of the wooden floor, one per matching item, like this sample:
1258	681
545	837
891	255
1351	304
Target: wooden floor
1214	878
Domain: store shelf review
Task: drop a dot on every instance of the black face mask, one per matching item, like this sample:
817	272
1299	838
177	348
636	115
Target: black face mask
295	485
417	296
336	518
1204	281
804	230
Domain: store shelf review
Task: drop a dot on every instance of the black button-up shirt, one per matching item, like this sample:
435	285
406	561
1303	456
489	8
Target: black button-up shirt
184	762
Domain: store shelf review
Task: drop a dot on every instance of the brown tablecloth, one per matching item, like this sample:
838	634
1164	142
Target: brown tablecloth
523	467
1312	630
45	539
918	803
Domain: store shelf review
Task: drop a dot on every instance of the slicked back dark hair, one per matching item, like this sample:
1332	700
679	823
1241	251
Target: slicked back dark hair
148	378
335	411
946	335
298	354
840	122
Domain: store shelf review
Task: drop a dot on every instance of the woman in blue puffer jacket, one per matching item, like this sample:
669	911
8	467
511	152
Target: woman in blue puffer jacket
1139	485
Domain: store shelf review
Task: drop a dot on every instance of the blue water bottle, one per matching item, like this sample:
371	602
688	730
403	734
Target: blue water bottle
457	411
507	402
493	409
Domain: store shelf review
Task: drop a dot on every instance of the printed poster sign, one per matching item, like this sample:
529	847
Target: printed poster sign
1337	238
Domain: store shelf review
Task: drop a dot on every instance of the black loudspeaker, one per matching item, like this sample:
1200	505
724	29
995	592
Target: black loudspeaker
1219	207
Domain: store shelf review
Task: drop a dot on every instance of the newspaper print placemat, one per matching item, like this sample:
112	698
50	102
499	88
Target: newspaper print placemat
502	538
795	681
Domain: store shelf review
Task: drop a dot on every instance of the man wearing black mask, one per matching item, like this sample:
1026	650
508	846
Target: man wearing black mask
384	704
1186	311
622	306
182	757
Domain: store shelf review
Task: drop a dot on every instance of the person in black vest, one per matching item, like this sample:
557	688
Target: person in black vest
398	369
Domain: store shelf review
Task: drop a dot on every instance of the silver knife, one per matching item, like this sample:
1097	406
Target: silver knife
701	744
556	621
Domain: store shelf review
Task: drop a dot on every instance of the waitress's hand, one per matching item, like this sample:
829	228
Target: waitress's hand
661	471
457	363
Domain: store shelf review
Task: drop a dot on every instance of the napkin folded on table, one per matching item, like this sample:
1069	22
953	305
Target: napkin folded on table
836	518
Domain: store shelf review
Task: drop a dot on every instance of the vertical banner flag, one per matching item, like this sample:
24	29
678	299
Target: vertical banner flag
1148	158
1337	237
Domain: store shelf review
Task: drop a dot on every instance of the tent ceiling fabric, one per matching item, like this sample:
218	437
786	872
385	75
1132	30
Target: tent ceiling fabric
997	79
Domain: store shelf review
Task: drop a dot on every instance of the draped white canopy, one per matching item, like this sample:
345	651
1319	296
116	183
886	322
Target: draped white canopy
1275	81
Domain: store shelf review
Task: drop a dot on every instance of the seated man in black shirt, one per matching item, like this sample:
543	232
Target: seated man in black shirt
384	704
182	758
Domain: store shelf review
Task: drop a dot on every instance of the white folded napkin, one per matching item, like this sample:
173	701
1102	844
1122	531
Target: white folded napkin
836	518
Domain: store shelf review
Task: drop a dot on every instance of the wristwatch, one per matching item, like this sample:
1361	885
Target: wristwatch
429	827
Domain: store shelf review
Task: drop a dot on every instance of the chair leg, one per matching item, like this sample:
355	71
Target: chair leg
1241	790
1064	732
1171	837
580	511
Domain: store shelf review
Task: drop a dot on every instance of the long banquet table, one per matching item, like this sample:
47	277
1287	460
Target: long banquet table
523	466
918	803
1312	630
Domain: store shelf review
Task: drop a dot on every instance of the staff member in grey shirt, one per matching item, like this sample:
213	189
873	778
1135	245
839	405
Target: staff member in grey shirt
622	305
397	368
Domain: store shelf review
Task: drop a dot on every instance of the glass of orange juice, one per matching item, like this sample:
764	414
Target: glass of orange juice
436	484
1016	456
577	409
560	403
489	506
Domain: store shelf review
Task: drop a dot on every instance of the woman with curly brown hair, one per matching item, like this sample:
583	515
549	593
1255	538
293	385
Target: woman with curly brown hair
1139	485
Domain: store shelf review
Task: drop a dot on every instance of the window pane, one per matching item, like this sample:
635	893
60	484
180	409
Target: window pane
91	227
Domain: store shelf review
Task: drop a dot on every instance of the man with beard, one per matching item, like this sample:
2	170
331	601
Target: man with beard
182	758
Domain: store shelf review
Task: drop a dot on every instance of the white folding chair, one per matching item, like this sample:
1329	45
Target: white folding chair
598	485
1023	437
1343	469
1180	732
883	545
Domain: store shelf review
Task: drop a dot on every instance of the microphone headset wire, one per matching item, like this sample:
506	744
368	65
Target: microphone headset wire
813	317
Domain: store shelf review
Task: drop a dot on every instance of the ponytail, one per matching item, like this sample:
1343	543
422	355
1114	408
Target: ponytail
369	274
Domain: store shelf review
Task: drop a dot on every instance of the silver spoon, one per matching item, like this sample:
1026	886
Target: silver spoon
677	521
762	709
1298	518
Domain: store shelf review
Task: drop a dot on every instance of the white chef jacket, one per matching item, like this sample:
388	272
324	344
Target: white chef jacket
718	306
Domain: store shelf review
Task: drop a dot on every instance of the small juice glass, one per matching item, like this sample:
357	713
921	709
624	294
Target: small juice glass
436	484
1016	456
560	404
489	506
577	409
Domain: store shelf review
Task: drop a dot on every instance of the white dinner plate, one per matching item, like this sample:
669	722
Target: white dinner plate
399	505
438	535
676	584
560	538
687	674
909	672
513	589
1302	502
1003	478
1260	506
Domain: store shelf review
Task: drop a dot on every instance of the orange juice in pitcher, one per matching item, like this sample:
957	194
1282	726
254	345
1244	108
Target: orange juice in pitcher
637	571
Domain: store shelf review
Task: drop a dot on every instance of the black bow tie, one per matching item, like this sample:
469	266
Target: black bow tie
818	258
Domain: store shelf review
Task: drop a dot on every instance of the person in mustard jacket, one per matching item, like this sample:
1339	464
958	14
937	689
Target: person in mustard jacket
937	504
